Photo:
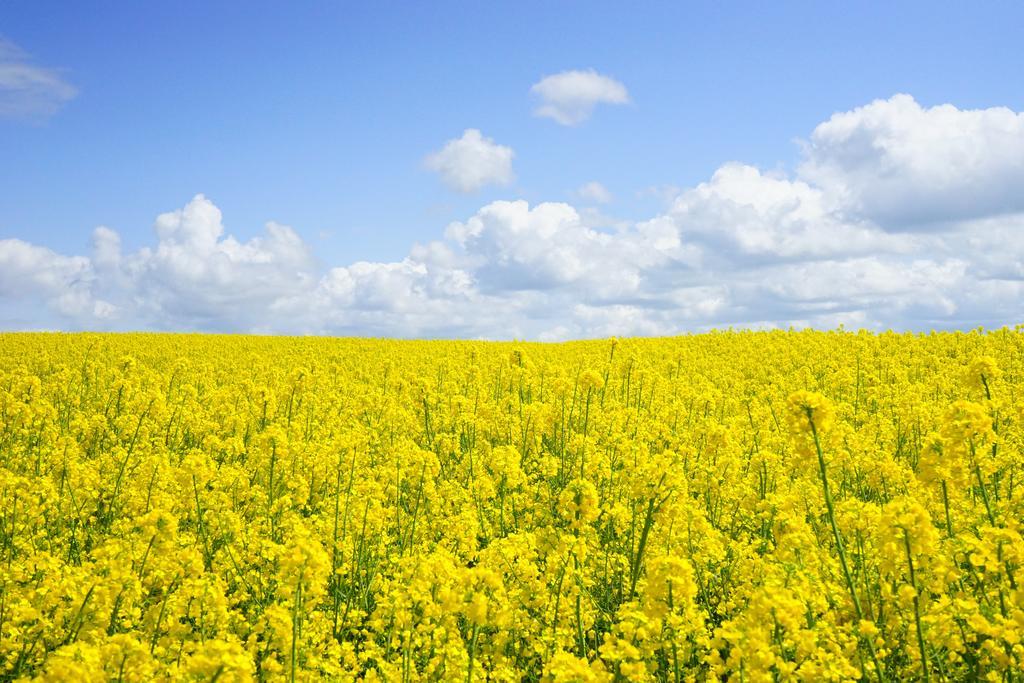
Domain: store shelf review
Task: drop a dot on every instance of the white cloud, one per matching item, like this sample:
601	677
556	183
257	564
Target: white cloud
106	248
511	247
198	276
28	90
997	244
903	165
868	282
569	97
746	215
594	192
745	248
32	275
469	163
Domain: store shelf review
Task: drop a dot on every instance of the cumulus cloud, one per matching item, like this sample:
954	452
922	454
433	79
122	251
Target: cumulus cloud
904	165
471	162
746	215
28	90
198	275
33	274
745	248
512	247
569	97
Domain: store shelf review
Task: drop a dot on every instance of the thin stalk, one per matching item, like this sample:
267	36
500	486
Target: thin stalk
830	506
917	606
472	654
945	504
296	611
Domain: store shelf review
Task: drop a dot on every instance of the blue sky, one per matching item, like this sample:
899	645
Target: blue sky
320	116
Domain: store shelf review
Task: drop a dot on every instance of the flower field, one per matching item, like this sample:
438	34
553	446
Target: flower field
738	505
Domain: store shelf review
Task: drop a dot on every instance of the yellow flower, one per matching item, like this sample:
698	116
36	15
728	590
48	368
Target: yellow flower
258	508
590	380
982	373
807	408
578	503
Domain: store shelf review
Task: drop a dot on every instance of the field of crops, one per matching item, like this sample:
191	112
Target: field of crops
750	506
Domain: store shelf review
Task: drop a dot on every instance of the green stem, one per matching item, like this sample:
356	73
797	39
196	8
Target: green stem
945	504
830	506
917	606
472	654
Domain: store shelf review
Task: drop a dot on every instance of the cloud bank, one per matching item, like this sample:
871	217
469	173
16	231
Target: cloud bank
898	216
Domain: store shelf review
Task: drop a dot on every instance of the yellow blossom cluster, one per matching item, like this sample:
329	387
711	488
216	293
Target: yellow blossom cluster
740	506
